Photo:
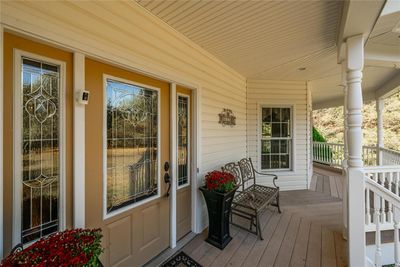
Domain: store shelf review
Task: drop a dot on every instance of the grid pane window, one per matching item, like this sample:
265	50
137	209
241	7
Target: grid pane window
132	144
276	138
183	140
40	149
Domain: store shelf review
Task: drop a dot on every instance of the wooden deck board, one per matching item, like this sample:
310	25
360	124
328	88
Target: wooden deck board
299	255
307	233
248	243
314	246
328	248
256	252
282	260
272	250
332	183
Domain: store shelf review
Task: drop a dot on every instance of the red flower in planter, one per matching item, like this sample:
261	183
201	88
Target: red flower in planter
77	247
220	181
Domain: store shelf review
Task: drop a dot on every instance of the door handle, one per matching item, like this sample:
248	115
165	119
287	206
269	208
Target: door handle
167	178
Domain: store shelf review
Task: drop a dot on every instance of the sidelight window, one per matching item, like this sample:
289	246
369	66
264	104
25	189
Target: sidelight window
183	140
38	140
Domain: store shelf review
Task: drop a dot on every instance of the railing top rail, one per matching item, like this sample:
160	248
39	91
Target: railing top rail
390	150
370	147
381	168
332	144
383	192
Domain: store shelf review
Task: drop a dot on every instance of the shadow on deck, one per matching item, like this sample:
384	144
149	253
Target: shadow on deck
307	233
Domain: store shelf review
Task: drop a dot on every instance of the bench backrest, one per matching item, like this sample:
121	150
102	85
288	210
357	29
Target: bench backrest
247	170
233	168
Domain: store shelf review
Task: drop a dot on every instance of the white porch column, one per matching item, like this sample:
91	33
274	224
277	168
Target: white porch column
346	151
380	106
356	199
79	143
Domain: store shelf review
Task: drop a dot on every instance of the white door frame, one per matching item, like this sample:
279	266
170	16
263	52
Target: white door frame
194	163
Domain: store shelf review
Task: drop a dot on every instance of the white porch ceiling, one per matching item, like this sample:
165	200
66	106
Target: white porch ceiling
259	39
274	39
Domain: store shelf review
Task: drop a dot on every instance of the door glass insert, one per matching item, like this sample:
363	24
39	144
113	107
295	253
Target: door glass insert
183	140
40	149
132	144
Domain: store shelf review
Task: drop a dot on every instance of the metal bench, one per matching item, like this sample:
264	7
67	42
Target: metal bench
251	199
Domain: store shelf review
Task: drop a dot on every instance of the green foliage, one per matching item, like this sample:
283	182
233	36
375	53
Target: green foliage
329	123
317	136
322	152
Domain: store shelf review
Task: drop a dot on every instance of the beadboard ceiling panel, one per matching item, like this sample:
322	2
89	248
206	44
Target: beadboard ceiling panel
276	40
260	39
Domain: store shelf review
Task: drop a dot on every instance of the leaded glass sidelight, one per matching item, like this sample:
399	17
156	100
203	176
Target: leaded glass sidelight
183	140
276	138
132	144
40	149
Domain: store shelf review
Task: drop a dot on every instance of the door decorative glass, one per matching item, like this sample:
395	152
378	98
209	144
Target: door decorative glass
183	142
132	144
40	148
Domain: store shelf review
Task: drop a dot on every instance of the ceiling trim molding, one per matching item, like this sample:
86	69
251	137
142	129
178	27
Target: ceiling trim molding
352	23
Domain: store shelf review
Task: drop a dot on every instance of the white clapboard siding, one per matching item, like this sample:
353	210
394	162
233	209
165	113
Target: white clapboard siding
126	34
285	93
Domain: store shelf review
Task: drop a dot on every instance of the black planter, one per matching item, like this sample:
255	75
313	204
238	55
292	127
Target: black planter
219	209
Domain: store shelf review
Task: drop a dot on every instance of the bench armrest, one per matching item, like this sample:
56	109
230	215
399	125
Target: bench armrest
275	177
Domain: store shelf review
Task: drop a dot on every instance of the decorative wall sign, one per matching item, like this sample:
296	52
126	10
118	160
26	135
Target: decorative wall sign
226	117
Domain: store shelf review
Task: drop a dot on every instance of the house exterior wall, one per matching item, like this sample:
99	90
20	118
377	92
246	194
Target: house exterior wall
126	35
281	93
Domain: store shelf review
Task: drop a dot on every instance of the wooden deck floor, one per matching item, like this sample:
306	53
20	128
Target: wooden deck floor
307	233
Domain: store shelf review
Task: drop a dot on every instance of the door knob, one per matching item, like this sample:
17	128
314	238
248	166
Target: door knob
167	178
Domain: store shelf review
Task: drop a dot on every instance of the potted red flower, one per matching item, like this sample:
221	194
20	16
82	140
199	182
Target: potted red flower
218	192
77	247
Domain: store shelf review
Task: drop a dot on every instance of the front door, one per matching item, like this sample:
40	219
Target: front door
184	133
127	134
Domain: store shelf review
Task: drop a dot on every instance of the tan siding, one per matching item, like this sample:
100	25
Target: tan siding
125	34
264	92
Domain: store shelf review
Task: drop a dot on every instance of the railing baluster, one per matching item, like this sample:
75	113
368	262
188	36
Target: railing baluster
367	206
390	211
378	249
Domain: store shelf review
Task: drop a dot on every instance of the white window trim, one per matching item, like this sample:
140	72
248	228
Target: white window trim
133	205
292	162
189	140
17	122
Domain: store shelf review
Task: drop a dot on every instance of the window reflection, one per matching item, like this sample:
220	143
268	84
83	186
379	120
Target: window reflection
40	149
132	144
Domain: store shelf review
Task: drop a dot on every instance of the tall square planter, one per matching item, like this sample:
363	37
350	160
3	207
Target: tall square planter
219	209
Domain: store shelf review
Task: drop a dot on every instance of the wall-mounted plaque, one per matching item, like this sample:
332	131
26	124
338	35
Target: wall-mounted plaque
226	117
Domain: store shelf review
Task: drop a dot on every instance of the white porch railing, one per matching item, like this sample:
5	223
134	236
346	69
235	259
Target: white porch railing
332	154
382	204
390	157
328	153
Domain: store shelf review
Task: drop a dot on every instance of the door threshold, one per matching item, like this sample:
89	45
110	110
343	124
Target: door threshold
169	252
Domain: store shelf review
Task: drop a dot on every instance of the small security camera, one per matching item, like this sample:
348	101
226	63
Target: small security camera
83	97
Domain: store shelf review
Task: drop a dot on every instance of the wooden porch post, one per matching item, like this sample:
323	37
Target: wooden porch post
380	105
356	202
346	151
